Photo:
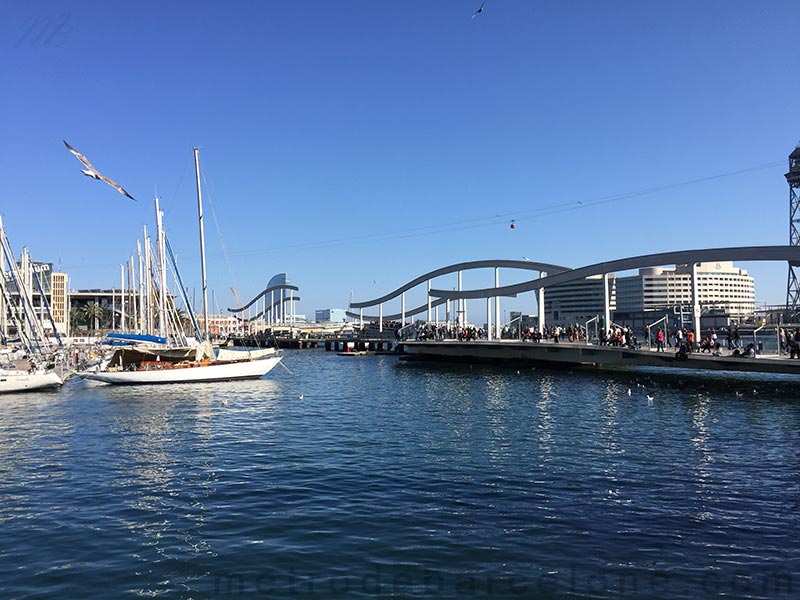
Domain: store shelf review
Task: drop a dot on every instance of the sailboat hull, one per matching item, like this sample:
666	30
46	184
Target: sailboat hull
237	353
229	371
21	381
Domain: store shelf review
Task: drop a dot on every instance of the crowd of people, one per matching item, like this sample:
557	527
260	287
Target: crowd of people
620	336
683	340
427	331
790	342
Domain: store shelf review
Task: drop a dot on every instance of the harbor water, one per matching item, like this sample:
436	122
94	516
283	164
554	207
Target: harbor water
360	477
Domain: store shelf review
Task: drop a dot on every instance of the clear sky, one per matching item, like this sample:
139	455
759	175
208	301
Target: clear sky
356	144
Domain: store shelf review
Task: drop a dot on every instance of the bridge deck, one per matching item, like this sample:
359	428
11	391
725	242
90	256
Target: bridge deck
565	354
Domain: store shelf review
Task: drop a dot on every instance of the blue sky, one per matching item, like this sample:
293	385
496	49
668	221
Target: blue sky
358	144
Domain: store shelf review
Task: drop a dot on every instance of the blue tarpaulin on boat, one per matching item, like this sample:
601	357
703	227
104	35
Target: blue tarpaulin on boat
134	338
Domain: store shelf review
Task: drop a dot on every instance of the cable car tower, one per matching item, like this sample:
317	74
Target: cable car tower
793	286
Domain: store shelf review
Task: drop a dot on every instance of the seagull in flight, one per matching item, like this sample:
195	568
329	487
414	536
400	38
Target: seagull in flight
90	171
480	10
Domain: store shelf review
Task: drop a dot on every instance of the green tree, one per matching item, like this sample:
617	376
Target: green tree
75	316
184	321
91	314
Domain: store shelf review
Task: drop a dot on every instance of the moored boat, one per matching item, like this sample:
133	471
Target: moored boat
131	366
239	353
14	380
32	364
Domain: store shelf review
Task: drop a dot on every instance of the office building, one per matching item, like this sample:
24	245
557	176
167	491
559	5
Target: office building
578	301
331	315
722	288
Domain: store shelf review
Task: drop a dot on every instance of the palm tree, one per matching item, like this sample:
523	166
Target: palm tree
91	314
75	316
181	316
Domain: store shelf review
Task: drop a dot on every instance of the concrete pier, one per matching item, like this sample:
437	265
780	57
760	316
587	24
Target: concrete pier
571	354
370	346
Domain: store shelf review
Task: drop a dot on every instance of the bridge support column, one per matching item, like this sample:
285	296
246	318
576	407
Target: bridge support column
361	318
606	303
540	309
696	303
488	318
497	324
460	312
429	300
380	317
403	309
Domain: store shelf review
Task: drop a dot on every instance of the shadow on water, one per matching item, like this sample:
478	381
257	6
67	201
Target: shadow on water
775	386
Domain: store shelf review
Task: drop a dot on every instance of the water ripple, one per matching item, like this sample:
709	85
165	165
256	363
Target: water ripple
362	479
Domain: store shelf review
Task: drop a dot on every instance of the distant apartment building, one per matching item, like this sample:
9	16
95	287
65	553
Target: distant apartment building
331	315
48	294
578	301
98	309
59	301
220	325
107	315
721	288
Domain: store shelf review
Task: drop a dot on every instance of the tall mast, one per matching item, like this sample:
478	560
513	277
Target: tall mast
202	242
122	322
148	283
3	328
134	318
162	273
140	314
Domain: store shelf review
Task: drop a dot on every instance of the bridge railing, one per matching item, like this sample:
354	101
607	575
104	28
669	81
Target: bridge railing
596	321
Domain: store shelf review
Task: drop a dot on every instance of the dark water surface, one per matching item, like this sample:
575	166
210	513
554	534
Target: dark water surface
388	480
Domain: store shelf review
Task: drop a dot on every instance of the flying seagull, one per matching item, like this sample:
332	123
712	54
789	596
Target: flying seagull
480	10
90	171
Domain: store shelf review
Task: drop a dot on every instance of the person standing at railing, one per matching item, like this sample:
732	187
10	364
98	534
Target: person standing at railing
659	340
794	345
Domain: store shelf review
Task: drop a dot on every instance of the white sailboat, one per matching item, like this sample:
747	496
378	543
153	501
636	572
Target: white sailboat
130	366
20	380
29	368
